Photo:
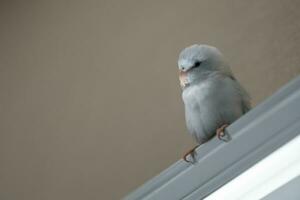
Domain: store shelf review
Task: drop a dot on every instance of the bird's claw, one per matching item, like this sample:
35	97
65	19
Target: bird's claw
191	152
222	135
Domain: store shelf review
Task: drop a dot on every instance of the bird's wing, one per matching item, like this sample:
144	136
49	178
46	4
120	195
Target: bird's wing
245	98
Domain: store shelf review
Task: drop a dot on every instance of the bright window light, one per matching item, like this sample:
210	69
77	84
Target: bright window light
263	178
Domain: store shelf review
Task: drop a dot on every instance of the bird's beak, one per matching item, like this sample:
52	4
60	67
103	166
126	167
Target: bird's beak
183	78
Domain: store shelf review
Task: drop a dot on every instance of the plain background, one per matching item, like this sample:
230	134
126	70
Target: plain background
90	103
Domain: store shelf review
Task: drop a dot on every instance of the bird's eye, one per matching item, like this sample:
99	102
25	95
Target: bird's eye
197	64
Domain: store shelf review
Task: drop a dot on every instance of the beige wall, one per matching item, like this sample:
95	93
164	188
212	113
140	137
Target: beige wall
90	101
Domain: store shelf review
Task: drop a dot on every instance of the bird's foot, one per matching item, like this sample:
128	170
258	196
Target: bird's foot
221	133
192	153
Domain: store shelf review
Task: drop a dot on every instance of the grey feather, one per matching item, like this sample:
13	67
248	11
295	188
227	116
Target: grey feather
212	96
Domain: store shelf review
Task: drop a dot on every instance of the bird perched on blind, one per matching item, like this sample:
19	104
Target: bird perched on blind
212	97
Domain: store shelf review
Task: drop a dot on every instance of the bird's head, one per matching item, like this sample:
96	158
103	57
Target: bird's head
197	61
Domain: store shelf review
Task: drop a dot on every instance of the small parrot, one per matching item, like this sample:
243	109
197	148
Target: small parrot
212	97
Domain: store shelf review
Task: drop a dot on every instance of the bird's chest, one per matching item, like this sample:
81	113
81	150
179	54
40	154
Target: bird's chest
198	101
197	96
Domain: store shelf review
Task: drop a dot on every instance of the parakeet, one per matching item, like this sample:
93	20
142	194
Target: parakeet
212	97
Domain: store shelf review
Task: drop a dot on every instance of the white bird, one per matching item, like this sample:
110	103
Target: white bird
212	97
